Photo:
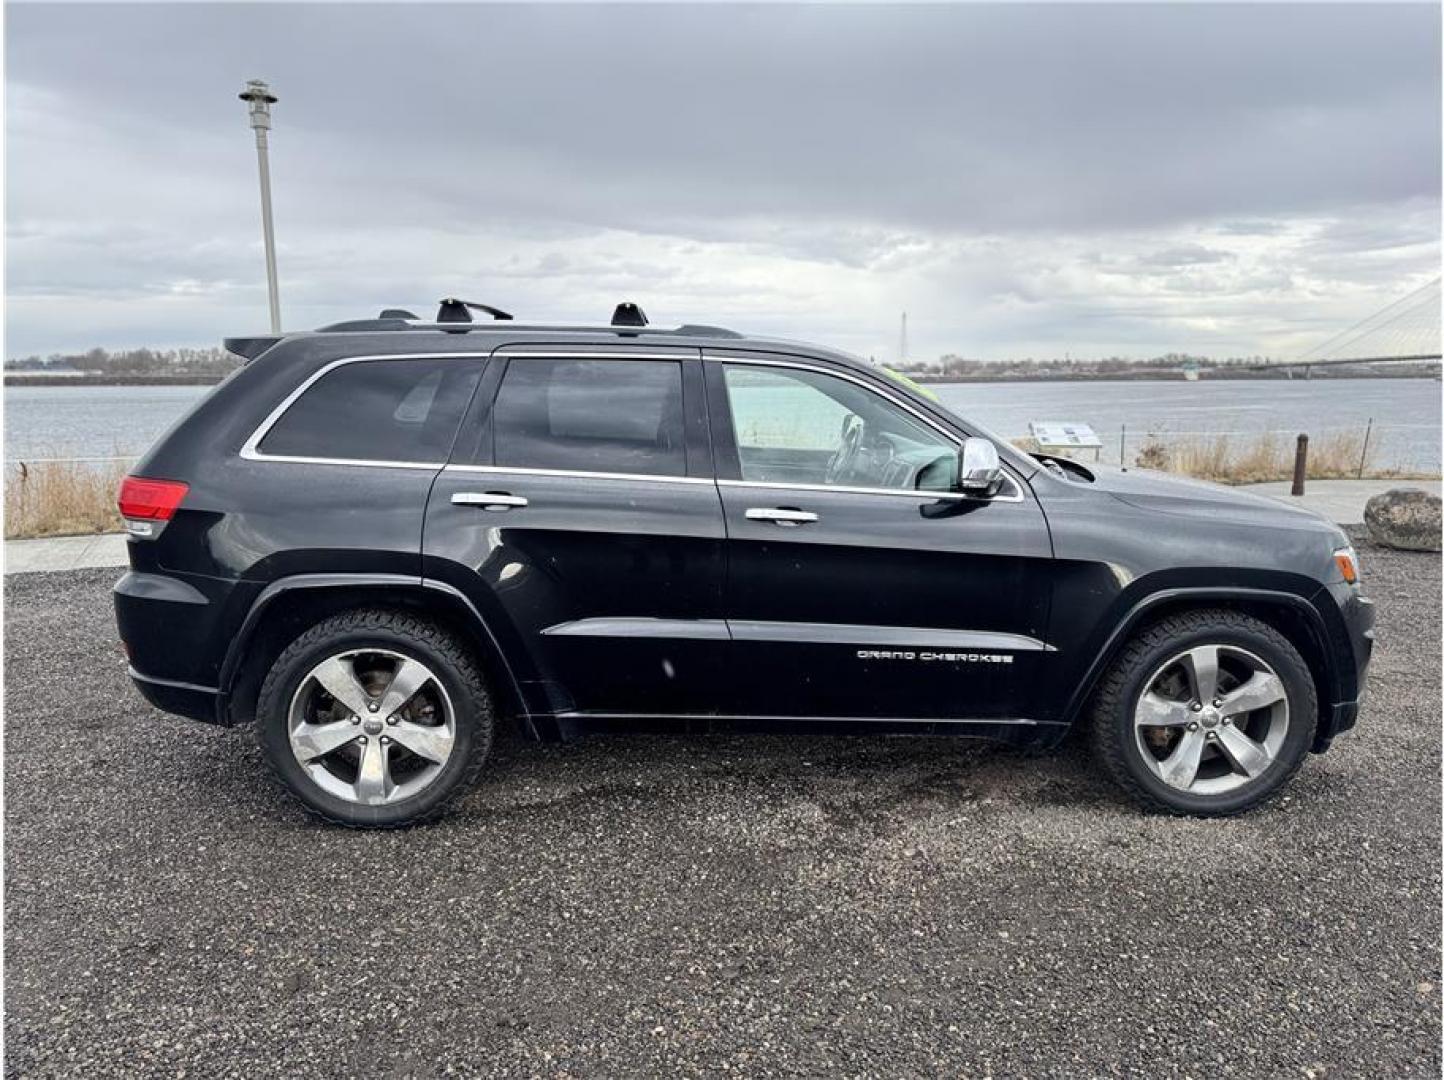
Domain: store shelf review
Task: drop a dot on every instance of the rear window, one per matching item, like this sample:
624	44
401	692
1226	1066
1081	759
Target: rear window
377	410
622	416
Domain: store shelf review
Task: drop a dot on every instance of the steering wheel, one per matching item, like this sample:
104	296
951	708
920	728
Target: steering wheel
846	453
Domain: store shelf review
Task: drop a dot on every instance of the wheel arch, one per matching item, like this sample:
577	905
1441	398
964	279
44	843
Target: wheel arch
289	606
1289	613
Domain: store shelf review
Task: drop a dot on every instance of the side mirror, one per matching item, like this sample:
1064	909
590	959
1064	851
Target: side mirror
979	472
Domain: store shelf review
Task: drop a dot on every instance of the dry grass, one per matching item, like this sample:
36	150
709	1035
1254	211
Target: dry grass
1253	459
58	498
1256	459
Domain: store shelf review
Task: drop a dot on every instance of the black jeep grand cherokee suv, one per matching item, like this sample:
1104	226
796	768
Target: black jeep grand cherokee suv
376	539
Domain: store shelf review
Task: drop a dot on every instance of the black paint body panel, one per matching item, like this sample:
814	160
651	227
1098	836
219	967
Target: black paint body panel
624	601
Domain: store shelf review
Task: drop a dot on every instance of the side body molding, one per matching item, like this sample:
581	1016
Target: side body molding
819	633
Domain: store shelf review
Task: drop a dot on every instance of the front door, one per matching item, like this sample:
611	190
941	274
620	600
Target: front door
580	516
860	584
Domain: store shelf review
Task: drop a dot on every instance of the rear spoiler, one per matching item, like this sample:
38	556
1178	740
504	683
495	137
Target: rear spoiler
249	348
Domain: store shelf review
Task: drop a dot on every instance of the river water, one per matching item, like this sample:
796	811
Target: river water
122	421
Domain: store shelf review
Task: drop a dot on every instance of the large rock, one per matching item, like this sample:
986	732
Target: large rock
1404	518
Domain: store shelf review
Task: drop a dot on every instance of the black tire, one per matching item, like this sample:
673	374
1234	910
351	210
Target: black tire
1112	714
414	638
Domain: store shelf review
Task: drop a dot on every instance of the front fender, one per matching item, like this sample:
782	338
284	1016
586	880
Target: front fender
1112	634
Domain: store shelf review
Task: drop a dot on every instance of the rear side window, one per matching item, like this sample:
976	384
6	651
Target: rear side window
377	410
622	416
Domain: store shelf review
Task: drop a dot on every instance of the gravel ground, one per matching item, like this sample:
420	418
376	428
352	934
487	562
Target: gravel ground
626	906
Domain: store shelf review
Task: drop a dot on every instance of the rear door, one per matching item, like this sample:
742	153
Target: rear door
860	584
580	515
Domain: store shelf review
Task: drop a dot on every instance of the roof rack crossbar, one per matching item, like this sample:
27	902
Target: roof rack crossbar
629	314
454	310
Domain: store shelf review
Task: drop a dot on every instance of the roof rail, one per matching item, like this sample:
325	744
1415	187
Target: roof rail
454	317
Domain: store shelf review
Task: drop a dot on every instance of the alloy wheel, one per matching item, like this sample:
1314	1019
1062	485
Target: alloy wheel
1211	719
371	726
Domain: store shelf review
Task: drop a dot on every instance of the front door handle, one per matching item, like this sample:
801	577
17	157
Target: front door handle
785	516
488	500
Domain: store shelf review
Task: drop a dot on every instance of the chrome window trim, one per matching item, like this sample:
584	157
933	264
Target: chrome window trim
952	437
681	353
580	474
250	449
908	493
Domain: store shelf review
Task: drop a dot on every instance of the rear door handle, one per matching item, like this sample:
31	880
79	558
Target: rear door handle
785	516
488	500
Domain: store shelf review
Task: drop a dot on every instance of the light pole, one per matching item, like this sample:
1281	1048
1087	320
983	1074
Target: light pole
259	95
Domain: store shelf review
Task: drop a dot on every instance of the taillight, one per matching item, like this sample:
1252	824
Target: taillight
145	502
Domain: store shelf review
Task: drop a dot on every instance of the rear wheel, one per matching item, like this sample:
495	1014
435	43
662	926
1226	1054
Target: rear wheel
375	719
1205	713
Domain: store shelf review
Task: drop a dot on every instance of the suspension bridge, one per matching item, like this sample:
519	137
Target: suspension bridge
1406	331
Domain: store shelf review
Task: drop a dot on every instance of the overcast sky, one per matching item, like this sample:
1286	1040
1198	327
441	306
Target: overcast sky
1022	180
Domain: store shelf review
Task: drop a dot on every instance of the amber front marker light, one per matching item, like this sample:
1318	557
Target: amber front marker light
1348	564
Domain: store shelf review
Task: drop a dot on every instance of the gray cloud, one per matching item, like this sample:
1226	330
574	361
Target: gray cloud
1022	179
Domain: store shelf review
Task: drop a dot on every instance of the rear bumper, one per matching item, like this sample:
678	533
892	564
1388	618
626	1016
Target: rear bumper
184	699
174	627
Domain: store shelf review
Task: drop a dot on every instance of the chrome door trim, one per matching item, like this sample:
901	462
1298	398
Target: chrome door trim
581	474
250	449
950	436
642	627
914	637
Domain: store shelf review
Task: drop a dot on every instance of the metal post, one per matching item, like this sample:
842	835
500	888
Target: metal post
1364	453
1122	443
1301	465
259	95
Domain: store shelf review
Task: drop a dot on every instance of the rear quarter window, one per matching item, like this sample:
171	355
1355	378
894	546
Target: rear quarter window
377	410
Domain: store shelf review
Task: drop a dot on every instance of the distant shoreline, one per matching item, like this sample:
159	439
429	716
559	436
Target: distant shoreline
1160	376
28	379
24	379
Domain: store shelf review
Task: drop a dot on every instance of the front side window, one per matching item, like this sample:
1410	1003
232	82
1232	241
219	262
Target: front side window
377	410
593	415
795	426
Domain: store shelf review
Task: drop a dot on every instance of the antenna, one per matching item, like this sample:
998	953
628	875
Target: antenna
902	344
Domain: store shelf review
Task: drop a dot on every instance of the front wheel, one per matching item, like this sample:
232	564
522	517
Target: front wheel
375	719
1206	713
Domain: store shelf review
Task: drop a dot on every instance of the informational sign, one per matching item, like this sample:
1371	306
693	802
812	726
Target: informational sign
1063	435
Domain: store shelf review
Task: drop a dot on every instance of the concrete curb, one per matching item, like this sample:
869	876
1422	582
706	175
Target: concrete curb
65	553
